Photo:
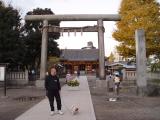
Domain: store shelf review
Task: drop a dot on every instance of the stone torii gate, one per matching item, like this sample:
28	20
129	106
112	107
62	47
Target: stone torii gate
73	17
139	36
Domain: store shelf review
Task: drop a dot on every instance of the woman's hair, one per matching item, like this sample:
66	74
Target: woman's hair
52	67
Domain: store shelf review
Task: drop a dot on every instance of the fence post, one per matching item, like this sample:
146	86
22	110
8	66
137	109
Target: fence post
26	75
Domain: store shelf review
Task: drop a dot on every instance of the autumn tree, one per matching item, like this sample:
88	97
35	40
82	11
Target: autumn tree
111	57
138	14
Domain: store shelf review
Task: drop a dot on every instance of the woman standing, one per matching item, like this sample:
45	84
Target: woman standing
117	83
53	88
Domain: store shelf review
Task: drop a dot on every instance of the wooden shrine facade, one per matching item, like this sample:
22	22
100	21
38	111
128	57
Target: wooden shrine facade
85	60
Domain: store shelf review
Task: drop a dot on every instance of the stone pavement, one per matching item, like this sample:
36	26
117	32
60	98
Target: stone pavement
80	97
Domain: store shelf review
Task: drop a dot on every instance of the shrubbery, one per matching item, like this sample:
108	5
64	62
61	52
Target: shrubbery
73	83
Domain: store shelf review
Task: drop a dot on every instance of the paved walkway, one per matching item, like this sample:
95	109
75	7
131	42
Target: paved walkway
80	97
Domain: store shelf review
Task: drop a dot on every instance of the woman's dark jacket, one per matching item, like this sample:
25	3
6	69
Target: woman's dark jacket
52	83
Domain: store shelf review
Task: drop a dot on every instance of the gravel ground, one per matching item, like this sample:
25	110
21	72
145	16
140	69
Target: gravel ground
19	100
128	107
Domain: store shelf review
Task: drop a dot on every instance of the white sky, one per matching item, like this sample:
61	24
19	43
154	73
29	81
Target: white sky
76	7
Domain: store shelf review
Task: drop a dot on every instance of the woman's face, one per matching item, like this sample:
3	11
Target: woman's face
53	71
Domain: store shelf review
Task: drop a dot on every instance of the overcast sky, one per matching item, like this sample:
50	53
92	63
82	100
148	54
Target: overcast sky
76	7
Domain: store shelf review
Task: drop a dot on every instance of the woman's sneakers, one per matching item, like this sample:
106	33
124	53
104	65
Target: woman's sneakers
52	113
60	112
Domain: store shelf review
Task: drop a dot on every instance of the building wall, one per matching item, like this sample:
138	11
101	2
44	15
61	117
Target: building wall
87	66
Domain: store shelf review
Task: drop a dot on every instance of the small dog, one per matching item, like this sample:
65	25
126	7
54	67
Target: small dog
74	109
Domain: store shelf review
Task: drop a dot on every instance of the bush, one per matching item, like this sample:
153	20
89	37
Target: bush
73	83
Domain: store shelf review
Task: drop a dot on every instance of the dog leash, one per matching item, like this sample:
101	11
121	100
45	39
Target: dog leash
62	100
67	108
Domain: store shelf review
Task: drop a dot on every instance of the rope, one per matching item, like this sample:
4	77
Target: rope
62	100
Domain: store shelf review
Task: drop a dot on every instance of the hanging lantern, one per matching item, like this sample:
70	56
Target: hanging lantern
81	31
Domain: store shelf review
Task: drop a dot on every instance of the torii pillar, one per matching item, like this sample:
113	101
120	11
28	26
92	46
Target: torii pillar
101	49
44	47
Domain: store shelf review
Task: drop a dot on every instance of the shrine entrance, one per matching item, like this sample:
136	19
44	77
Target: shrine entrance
71	17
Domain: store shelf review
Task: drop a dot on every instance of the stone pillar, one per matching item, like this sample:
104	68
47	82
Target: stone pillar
101	49
141	62
43	66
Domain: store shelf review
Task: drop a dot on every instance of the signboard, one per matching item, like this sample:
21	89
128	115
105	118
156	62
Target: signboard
2	73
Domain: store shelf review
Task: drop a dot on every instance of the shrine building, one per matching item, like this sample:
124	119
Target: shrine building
84	59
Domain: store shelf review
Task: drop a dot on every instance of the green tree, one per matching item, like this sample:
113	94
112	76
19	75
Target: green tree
155	64
155	67
138	14
32	38
11	49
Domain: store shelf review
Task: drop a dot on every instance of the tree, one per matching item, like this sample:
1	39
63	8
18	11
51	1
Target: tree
155	67
32	38
138	14
10	45
111	57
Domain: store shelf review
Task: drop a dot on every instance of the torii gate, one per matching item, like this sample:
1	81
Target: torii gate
139	36
73	17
